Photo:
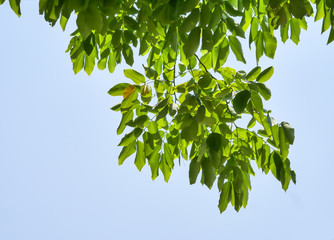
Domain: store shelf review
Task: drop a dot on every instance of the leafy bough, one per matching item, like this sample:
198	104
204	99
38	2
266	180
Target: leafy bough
201	115
178	108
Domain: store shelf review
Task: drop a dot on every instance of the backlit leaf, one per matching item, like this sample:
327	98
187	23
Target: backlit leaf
140	156
236	48
128	91
134	76
265	75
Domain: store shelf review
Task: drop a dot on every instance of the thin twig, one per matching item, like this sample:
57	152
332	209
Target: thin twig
206	70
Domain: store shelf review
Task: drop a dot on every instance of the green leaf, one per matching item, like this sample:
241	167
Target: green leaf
205	15
326	23
130	137
320	10
118	89
289	132
282	144
190	133
15	5
168	156
134	76
264	91
127	54
225	197
214	141
223	52
205	81
111	62
78	63
126	152
293	176
236	48
88	20
207	43
162	113
129	100
276	164
265	75
154	162
127	116
192	43
295	30
200	114
300	8
194	169
116	107
257	102
259	45
165	169
130	23
253	74
331	36
208	172
215	16
140	122
240	101
190	21
270	44
251	123
140	156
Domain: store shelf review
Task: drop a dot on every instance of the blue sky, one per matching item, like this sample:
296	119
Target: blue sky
59	177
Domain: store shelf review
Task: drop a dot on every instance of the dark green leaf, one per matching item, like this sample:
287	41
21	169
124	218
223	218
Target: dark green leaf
127	54
240	101
192	43
208	172
214	141
194	169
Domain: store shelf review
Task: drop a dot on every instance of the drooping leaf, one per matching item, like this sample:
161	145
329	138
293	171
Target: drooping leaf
126	152
208	172
225	197
289	132
194	169
140	156
236	48
192	43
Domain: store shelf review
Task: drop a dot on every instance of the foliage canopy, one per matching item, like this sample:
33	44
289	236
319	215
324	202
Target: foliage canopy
185	103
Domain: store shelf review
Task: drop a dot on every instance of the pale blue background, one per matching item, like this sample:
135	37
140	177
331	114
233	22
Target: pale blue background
59	177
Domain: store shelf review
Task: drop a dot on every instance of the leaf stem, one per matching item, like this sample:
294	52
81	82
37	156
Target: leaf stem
206	70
